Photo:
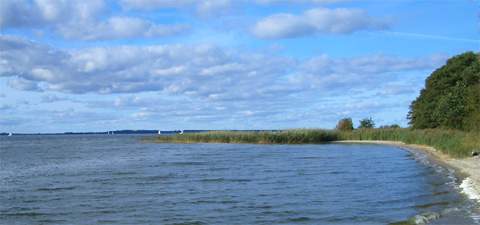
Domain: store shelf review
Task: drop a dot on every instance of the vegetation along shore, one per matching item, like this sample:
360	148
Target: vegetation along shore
457	144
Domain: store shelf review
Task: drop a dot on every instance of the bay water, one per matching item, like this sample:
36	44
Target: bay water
120	179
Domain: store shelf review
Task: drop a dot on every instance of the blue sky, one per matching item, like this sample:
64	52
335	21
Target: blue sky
221	64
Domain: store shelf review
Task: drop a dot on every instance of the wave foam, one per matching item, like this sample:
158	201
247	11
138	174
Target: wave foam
469	190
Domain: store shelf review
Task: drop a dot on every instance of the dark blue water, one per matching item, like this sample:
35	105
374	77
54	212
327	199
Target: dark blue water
117	179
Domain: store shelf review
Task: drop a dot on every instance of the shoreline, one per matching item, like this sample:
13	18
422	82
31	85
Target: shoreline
468	169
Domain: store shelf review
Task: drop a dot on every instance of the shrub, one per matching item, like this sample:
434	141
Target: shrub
345	124
366	123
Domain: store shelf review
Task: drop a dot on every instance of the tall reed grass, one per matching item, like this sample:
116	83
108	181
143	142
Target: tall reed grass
455	143
300	136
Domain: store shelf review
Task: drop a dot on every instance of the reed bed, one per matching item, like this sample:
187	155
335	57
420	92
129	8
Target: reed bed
455	143
301	136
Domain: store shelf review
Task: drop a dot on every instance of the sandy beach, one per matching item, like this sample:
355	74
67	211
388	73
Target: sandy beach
468	168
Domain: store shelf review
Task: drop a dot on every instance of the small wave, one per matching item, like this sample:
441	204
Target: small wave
429	205
190	223
224	180
123	173
476	218
214	202
187	163
309	157
469	190
56	189
298	219
25	214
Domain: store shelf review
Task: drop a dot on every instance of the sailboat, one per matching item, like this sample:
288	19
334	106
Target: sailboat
10	134
159	132
181	131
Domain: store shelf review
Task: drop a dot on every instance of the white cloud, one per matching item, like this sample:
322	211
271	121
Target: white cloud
195	71
23	84
154	4
83	20
364	72
316	21
49	98
118	28
142	115
204	7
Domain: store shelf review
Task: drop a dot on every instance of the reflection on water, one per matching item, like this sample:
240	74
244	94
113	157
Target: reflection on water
117	179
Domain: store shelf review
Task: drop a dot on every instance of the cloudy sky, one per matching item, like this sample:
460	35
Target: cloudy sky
99	65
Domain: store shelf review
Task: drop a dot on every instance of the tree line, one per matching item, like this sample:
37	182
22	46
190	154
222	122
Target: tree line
450	99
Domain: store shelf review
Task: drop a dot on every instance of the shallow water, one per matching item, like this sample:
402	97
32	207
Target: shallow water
116	179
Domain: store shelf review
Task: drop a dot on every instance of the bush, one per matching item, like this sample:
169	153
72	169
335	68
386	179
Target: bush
345	124
366	123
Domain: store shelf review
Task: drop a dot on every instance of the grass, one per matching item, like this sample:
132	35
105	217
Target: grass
455	143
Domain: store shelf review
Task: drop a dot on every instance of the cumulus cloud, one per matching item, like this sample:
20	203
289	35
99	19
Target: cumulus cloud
23	84
316	21
364	72
200	85
119	27
204	7
201	72
83	20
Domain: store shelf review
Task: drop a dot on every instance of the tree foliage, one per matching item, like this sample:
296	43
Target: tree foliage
345	124
366	123
451	97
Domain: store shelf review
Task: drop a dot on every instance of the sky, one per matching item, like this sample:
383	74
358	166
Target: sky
98	65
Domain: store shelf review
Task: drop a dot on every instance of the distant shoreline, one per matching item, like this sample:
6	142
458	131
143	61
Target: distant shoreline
468	168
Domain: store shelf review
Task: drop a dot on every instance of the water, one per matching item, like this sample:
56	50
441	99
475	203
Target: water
116	179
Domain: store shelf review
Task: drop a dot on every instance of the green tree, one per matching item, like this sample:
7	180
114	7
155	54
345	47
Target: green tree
451	97
366	123
345	124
